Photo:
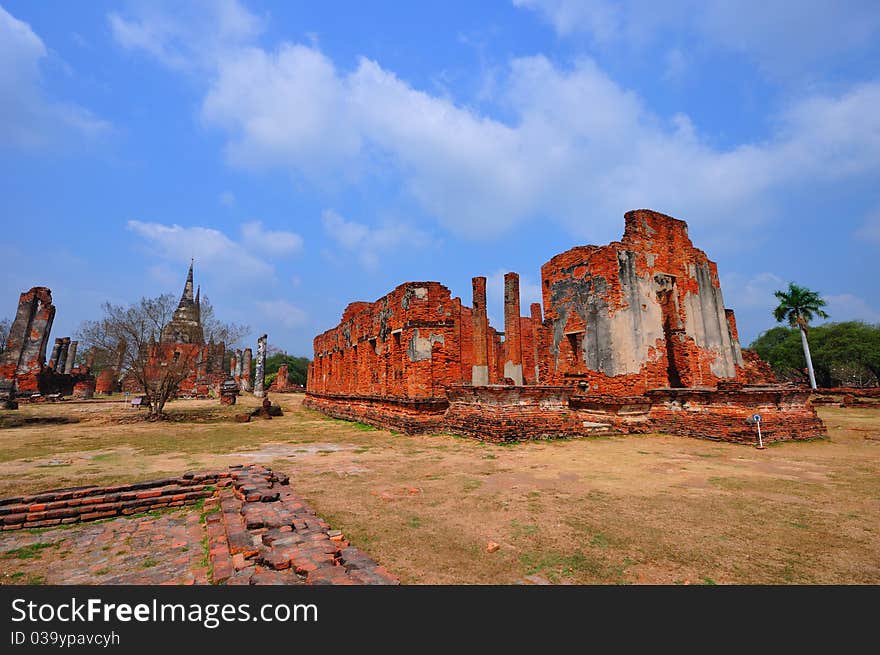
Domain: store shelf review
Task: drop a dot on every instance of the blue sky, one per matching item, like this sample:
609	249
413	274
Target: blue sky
312	154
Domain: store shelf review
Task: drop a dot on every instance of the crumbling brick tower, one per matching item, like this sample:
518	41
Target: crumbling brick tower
642	313
25	354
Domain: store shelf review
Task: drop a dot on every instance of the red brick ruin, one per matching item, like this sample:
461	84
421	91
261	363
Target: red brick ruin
632	337
282	385
23	369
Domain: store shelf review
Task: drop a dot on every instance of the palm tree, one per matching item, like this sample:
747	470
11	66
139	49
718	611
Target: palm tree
798	306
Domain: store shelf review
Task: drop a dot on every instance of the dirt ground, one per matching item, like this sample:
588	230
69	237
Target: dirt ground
645	509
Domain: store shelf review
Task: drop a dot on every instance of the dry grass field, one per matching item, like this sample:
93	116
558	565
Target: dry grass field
653	509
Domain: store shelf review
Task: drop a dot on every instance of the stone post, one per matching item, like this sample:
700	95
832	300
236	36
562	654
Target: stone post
232	365
62	355
260	377
480	369
71	356
56	351
246	370
238	366
512	330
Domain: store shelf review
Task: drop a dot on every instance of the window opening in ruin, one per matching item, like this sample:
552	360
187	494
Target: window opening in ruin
176	355
670	331
576	348
397	356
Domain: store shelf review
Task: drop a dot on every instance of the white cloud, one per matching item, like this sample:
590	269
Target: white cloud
759	29
370	243
578	148
848	307
755	292
28	118
282	312
676	65
185	36
212	249
601	19
270	242
529	292
870	229
579	141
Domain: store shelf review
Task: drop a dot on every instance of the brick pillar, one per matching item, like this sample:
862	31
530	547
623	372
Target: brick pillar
56	351
512	330
537	322
62	354
247	356
238	366
480	369
202	364
71	356
260	378
232	365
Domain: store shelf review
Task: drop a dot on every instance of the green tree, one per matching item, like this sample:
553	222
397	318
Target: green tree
297	367
844	354
798	306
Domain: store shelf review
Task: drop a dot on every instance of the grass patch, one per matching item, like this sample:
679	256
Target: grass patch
555	566
363	427
149	562
29	552
414	522
471	485
599	540
520	530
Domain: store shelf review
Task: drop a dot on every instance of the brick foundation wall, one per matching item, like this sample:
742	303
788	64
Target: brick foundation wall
511	413
519	413
64	506
787	414
409	415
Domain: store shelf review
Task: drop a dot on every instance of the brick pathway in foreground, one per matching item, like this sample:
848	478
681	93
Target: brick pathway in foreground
256	529
264	533
162	549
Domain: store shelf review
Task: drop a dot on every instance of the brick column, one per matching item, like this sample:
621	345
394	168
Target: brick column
56	351
232	365
480	369
512	330
238	367
71	356
246	369
537	322
62	354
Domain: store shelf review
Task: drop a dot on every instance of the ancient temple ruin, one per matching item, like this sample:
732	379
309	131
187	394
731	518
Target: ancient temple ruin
23	368
183	340
632	336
